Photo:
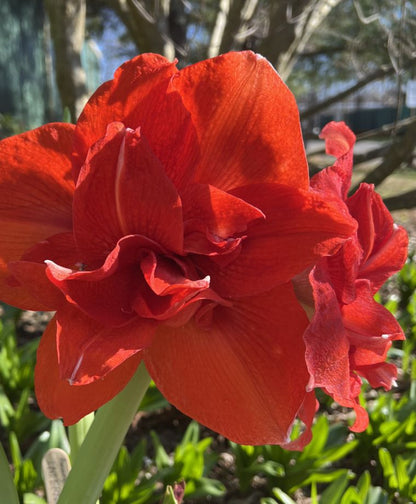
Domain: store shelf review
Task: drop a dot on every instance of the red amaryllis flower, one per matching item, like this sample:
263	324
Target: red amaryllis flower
166	227
350	334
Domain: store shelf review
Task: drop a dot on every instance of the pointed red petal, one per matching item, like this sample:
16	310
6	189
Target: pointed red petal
88	351
271	253
57	398
336	180
343	269
106	293
327	345
36	197
124	181
31	275
244	374
366	316
139	96
246	120
214	219
328	350
384	243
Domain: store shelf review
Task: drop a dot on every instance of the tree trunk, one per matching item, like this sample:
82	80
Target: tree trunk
292	23
67	21
148	33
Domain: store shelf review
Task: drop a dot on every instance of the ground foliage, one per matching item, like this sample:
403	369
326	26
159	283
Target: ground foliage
163	446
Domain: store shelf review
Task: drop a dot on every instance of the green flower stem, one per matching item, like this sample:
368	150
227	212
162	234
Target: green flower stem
105	436
8	492
77	434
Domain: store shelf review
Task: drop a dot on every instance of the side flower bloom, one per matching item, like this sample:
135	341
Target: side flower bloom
165	227
349	333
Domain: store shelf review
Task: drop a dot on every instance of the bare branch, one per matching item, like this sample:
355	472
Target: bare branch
232	26
399	152
376	75
219	28
401	201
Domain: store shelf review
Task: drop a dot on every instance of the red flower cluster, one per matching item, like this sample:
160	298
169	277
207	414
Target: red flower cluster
350	334
167	226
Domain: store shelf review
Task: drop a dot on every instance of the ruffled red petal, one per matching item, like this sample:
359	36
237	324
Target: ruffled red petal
327	345
339	142
88	351
122	190
58	399
271	253
215	222
384	243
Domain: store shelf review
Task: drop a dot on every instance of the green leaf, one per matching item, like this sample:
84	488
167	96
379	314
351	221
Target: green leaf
6	409
8	490
351	497
320	435
376	495
363	484
169	497
15	452
153	400
401	474
162	459
77	434
282	496
204	487
388	467
31	498
333	494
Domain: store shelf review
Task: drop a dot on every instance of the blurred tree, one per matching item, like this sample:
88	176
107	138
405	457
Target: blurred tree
316	45
25	86
67	20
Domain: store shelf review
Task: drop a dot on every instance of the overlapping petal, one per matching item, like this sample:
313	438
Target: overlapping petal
384	244
88	351
215	222
36	198
124	181
271	253
240	374
336	179
327	345
58	399
141	95
246	120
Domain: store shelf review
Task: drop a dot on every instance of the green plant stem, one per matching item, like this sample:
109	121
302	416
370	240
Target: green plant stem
8	490
77	434
105	436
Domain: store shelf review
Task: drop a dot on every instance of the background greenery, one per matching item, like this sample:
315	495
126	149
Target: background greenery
163	446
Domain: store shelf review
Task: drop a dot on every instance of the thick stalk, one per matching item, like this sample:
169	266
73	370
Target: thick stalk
77	434
105	436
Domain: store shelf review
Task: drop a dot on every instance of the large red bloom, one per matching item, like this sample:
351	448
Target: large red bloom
166	227
350	334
